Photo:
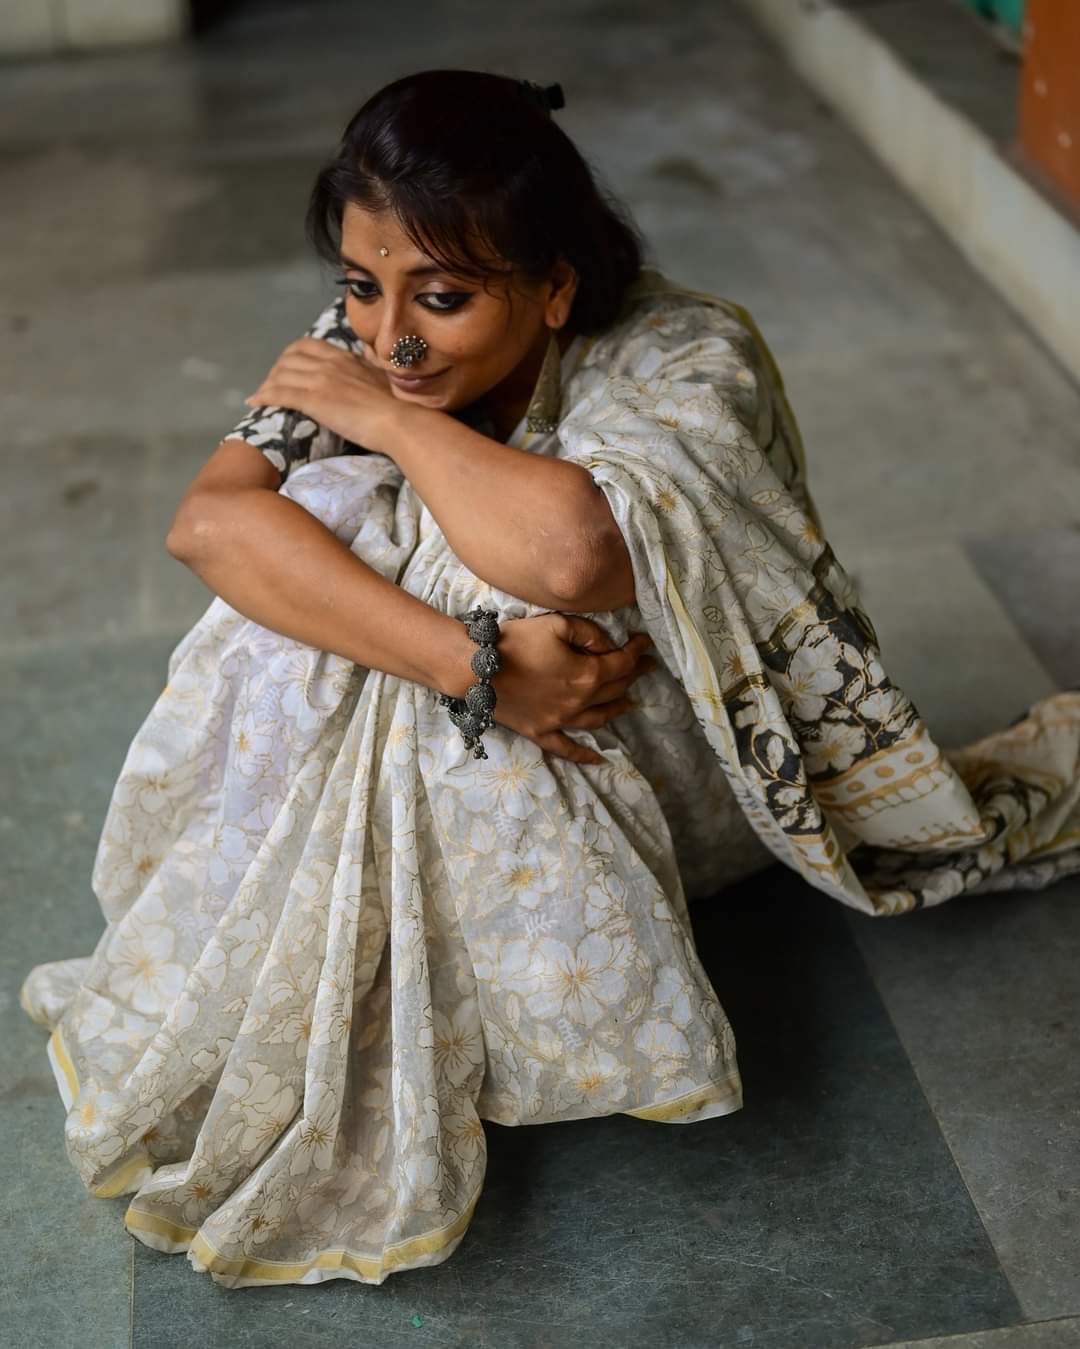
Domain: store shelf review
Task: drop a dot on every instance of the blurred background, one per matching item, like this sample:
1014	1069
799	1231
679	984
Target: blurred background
892	187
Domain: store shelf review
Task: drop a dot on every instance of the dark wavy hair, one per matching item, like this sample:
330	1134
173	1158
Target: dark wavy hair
467	161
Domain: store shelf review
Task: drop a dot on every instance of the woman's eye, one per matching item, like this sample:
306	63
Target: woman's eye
439	302
447	300
361	290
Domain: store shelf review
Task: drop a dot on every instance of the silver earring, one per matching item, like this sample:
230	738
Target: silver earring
408	350
546	402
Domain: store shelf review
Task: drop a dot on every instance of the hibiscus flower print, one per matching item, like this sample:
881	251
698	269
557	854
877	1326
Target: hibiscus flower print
465	1135
664	1044
253	745
593	1078
835	744
317	1132
261	1219
579	982
200	1195
526	878
812	674
674	989
459	1045
883	705
517	783
142	973
312	686
265	1104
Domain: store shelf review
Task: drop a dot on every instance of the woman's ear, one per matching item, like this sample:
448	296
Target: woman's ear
562	287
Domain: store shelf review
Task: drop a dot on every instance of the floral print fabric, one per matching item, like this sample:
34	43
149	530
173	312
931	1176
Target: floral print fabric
336	943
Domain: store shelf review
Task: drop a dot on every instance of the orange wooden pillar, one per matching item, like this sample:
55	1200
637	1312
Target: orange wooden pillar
1050	95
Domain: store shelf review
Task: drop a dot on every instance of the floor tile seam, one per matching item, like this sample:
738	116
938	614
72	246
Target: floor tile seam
131	1292
147	532
964	1337
851	918
956	546
22	648
964	543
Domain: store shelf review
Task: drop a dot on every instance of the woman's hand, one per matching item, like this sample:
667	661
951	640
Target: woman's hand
545	682
334	388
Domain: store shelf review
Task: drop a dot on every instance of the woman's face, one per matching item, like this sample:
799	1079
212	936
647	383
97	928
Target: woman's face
483	338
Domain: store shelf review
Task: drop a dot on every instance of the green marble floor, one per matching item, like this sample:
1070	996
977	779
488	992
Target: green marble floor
906	1170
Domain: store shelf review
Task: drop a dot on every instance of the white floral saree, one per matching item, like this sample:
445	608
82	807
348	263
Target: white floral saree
336	943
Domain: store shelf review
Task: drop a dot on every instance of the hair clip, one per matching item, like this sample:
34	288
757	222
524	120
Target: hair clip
549	97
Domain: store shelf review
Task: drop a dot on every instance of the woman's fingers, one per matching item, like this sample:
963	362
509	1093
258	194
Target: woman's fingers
600	715
554	742
617	688
618	664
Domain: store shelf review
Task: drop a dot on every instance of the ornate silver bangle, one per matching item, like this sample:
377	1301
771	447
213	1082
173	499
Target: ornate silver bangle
472	715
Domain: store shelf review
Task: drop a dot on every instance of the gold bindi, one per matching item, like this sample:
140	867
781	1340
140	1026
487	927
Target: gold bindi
384	252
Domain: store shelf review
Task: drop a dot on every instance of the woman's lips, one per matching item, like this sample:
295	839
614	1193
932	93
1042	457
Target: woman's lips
414	381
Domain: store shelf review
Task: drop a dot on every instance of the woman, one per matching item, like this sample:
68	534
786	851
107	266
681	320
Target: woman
337	940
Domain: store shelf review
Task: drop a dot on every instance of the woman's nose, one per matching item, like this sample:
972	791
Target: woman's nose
388	343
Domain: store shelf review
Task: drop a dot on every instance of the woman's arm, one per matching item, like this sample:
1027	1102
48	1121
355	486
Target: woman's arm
277	564
533	525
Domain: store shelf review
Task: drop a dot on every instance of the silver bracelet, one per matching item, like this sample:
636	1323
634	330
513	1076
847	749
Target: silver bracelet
472	715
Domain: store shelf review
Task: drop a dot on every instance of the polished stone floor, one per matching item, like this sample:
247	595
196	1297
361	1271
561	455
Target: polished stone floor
907	1166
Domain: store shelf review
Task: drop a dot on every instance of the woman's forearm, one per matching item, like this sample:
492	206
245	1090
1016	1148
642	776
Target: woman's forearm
533	525
277	564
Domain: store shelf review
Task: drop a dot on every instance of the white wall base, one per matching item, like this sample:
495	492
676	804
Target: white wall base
1020	242
29	27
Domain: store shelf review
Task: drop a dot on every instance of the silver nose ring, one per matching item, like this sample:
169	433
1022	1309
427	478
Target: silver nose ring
408	350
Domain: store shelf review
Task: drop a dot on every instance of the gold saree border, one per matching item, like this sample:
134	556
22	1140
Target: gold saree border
368	1268
63	1068
726	1091
119	1181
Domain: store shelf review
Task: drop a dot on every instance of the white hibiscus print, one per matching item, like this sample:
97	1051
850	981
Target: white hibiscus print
883	705
142	972
317	1133
260	1220
811	674
157	785
579	982
459	1045
252	936
674	989
517	782
253	745
199	1196
594	1078
527	877
92	1133
400	747
835	744
465	1134
663	1043
265	1103
311	687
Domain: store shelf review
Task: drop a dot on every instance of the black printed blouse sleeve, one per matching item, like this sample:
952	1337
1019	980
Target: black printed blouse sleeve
286	437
